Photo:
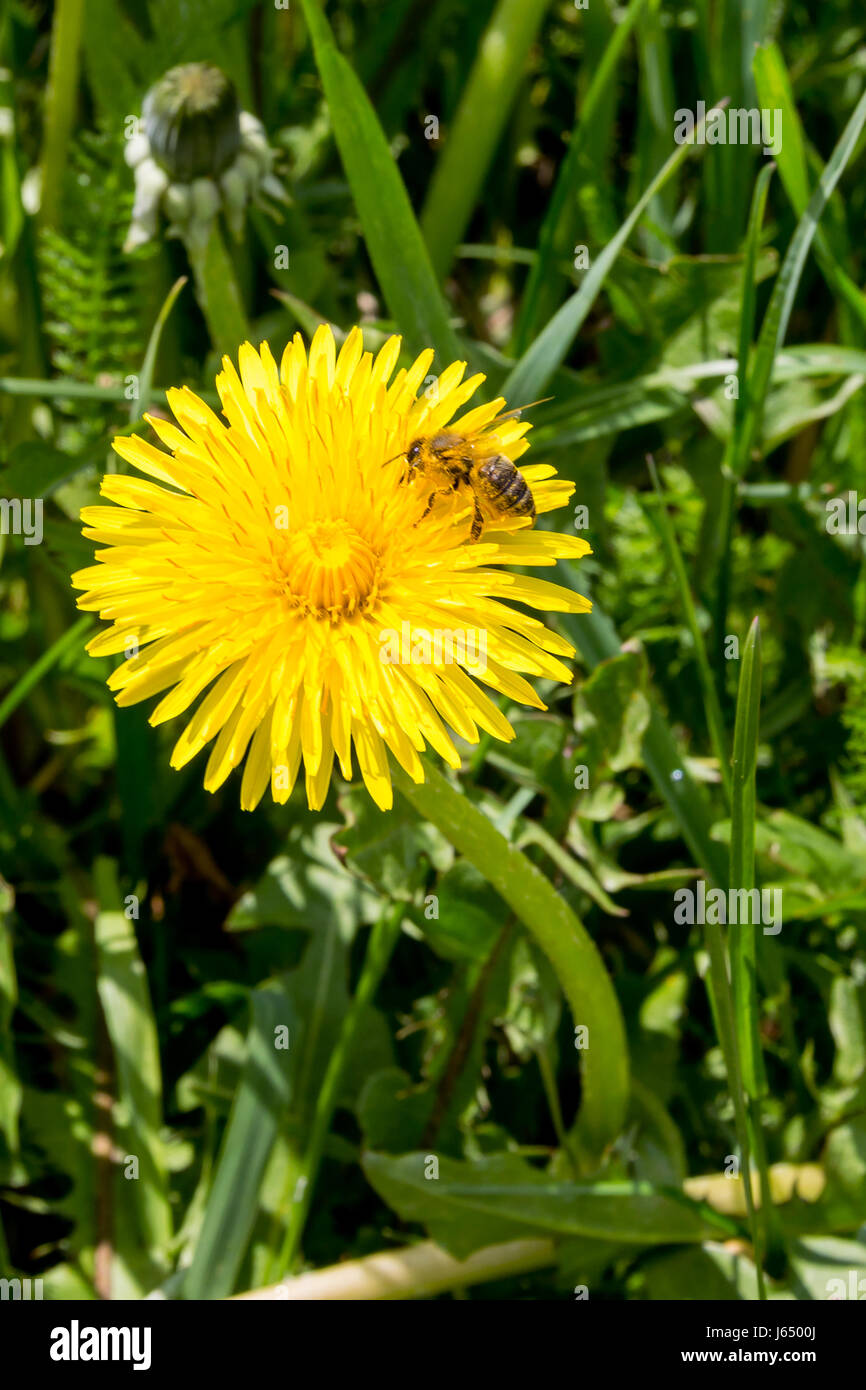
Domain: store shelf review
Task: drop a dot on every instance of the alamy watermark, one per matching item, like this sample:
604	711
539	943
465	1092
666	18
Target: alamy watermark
419	646
20	1289
741	906
846	516
22	518
736	126
77	1343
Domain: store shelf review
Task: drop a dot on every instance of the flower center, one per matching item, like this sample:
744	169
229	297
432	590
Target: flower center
329	570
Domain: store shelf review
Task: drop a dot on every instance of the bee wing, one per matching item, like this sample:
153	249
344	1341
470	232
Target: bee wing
518	410
489	441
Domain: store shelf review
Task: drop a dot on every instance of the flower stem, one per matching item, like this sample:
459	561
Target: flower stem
562	937
218	293
418	1271
383	939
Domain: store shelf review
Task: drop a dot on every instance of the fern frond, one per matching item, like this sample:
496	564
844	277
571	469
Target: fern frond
89	285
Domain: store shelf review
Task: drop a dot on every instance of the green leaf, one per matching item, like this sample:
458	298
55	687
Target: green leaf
394	852
392	1112
61	102
786	841
692	1273
827	1267
743	936
62	389
467	923
218	293
596	638
394	242
306	887
501	1198
846	1155
615	698
70	642
35	469
848	1026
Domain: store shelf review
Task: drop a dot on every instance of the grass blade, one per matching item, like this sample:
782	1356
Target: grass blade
746	330
383	939
775	94
481	117
777	317
655	122
394	242
742	855
261	1099
742	936
70	641
540	296
125	999
532	373
145	380
715	723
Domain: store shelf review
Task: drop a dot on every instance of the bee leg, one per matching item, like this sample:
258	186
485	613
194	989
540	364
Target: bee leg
428	509
477	522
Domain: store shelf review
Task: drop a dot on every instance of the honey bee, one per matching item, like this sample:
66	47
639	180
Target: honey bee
452	462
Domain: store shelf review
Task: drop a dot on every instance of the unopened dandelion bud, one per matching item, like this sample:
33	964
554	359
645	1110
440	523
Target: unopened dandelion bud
197	154
191	118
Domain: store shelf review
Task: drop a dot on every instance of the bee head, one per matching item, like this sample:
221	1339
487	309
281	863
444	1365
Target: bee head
413	453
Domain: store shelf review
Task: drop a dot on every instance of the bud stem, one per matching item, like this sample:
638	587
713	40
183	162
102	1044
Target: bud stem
218	293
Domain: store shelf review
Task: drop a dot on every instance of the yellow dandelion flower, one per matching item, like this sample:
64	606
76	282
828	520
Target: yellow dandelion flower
288	563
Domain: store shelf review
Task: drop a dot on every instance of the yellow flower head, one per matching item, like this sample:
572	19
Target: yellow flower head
293	562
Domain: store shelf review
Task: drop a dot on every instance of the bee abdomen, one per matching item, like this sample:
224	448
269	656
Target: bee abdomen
508	485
